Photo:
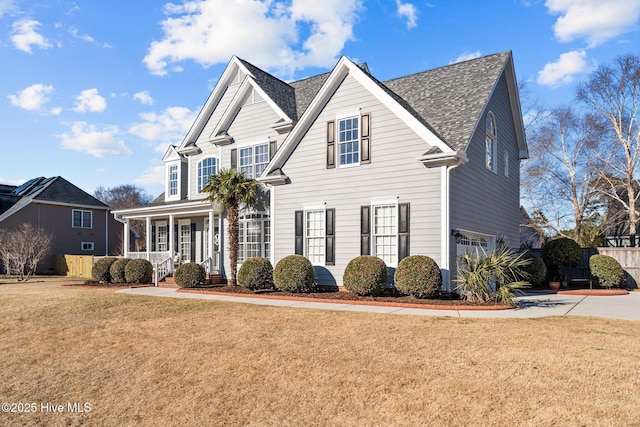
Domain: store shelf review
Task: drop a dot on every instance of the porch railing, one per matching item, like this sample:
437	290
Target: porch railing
161	270
212	264
153	257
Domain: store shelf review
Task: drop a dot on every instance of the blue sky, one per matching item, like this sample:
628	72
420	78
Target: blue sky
95	91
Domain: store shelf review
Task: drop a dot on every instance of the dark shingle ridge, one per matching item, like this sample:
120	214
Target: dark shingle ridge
60	190
451	98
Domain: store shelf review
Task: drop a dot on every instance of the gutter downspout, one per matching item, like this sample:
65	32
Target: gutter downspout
446	225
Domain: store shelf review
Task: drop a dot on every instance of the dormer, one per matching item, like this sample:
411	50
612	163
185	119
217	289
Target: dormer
176	175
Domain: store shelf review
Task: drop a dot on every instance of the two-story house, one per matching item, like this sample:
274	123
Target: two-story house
424	164
79	223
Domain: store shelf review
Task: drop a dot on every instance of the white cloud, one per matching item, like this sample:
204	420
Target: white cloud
90	139
32	98
564	69
15	182
76	33
408	11
465	56
211	31
596	21
6	6
24	35
90	100
144	97
167	127
153	175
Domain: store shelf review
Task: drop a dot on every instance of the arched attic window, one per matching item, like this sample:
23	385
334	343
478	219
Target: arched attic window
491	142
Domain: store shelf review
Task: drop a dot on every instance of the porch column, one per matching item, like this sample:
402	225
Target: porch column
148	238
171	241
127	231
210	235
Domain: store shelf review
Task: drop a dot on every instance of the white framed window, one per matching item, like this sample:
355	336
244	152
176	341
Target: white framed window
185	240
82	219
491	142
206	168
385	232
86	246
253	159
315	236
173	180
349	141
163	237
253	97
254	239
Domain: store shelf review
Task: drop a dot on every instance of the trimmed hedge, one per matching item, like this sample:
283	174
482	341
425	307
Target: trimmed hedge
419	276
562	252
365	275
536	271
101	269
607	270
256	273
117	270
294	273
190	275
138	271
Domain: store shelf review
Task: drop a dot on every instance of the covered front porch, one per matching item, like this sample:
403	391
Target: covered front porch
175	234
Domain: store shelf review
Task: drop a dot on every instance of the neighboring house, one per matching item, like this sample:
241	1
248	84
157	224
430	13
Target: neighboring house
426	164
80	223
530	237
616	231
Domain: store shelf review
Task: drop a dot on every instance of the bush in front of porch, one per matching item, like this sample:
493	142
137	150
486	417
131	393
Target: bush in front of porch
190	275
256	273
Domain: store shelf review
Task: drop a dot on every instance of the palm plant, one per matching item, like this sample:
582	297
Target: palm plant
232	189
492	277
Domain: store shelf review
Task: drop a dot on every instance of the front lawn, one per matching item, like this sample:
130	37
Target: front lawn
163	361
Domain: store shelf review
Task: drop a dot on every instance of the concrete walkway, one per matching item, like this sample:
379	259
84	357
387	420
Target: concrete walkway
530	306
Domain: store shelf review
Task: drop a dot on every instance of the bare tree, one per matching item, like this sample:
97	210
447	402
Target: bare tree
613	92
124	197
22	249
559	180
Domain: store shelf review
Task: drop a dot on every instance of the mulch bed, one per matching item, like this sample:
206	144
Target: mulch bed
389	298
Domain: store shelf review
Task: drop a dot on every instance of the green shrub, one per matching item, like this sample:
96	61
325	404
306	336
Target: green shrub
190	275
536	271
117	270
256	273
100	270
138	271
494	277
365	275
418	275
606	269
294	273
562	252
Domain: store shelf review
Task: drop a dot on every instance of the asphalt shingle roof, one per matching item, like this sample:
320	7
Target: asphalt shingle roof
450	99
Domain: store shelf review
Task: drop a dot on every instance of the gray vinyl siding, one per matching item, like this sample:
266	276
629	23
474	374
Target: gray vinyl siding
393	173
496	211
216	115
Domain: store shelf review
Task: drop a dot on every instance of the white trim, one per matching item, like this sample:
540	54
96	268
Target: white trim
91	244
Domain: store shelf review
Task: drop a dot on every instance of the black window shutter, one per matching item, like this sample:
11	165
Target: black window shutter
330	254
365	230
272	149
331	145
234	158
299	242
403	230
365	155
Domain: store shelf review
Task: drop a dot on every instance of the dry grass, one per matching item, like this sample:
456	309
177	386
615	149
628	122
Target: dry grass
154	361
